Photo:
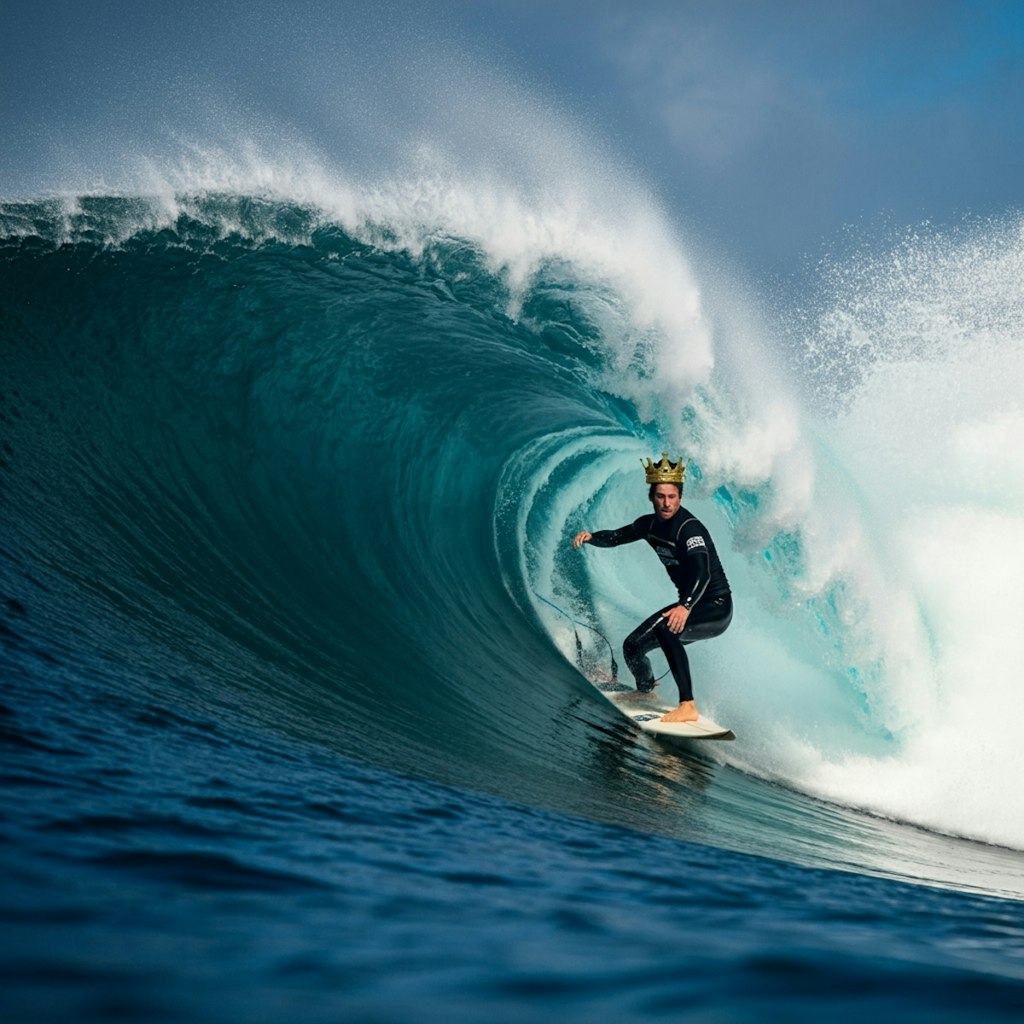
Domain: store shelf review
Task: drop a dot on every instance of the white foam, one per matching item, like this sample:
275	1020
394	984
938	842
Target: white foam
931	443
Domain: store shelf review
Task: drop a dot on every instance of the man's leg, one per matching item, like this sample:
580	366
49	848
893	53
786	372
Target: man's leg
637	646
705	622
675	654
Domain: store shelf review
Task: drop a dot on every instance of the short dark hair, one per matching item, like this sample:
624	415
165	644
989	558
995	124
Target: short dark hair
650	490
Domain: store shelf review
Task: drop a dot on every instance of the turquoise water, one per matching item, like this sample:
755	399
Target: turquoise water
290	723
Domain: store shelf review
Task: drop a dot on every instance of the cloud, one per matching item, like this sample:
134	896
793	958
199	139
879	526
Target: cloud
715	97
784	123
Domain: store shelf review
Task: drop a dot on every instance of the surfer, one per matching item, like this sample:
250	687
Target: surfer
688	553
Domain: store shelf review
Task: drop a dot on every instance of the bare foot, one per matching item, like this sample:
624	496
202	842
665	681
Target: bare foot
686	712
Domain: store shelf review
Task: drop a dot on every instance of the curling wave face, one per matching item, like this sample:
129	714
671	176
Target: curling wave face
316	464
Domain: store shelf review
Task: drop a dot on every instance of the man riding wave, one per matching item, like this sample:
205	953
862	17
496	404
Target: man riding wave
686	550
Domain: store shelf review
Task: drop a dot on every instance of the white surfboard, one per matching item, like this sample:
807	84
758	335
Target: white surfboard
648	713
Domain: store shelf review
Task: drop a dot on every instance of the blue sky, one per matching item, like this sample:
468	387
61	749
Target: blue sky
767	128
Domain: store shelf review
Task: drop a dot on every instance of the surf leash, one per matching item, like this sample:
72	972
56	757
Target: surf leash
579	644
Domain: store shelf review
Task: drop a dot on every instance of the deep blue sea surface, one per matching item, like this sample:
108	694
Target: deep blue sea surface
292	714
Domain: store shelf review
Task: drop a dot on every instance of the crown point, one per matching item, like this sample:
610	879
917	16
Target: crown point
664	471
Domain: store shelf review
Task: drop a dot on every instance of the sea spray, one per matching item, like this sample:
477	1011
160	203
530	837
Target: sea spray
931	432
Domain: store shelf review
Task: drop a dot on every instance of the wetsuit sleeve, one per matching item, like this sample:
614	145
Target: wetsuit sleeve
698	578
695	558
613	538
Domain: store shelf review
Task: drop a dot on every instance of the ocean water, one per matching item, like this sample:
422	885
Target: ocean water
292	713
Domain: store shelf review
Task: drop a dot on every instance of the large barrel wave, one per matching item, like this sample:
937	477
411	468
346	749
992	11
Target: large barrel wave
320	472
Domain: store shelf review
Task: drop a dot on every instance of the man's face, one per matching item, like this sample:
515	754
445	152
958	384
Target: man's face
666	500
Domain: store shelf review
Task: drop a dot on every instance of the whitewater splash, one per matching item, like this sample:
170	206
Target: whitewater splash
875	544
931	334
872	546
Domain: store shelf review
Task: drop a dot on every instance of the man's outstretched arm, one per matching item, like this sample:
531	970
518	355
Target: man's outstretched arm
607	538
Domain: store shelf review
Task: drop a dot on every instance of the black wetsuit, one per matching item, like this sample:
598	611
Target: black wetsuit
688	553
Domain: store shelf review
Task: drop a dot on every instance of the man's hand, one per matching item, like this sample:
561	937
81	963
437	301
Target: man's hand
676	618
581	538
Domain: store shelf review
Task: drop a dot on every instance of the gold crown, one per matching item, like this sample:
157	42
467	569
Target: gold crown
664	471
